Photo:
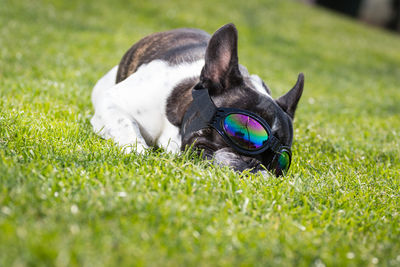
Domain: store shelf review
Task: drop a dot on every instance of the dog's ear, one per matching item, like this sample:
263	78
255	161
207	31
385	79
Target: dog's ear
221	68
288	102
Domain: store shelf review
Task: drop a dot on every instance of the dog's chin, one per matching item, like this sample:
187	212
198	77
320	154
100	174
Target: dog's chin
228	157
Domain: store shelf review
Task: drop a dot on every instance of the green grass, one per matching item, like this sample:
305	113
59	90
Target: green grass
68	197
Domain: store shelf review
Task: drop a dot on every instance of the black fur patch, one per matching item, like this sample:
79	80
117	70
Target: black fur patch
179	100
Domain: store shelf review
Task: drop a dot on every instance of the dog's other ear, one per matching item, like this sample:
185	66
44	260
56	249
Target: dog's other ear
221	68
288	102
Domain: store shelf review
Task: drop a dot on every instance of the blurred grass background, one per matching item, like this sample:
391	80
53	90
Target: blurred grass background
69	198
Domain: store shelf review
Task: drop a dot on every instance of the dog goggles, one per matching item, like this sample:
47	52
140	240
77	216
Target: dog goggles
244	131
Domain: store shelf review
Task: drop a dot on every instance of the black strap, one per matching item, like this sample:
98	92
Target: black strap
199	113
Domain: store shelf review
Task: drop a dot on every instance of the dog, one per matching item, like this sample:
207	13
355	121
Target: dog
145	100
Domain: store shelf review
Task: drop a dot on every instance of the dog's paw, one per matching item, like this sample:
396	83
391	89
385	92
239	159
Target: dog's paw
172	147
137	148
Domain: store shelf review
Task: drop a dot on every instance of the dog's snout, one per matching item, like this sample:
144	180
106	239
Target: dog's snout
228	157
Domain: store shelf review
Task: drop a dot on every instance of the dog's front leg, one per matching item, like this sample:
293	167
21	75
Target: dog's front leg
110	122
170	138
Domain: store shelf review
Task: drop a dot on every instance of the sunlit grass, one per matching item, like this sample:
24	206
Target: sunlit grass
68	197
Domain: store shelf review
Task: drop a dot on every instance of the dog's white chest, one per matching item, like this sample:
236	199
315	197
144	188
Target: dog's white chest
134	110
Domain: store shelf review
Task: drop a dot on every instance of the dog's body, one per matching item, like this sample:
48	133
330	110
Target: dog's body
142	101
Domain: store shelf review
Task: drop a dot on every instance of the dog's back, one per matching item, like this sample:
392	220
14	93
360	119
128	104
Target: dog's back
175	47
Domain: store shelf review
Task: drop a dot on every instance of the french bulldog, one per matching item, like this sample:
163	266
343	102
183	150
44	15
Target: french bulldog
142	101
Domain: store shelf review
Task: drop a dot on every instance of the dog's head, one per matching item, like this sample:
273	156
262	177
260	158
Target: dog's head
229	85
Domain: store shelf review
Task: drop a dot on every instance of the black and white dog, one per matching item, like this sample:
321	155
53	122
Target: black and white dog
143	101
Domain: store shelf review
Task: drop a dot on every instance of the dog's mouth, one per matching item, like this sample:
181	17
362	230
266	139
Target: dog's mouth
206	150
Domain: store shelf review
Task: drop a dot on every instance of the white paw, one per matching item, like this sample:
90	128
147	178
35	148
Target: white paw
137	148
172	147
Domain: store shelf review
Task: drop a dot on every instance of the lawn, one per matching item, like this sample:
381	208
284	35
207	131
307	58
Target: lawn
69	198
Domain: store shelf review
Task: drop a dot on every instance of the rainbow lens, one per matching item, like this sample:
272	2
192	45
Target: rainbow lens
245	131
283	162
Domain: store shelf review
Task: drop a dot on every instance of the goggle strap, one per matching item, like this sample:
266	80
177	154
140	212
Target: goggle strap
275	144
199	113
